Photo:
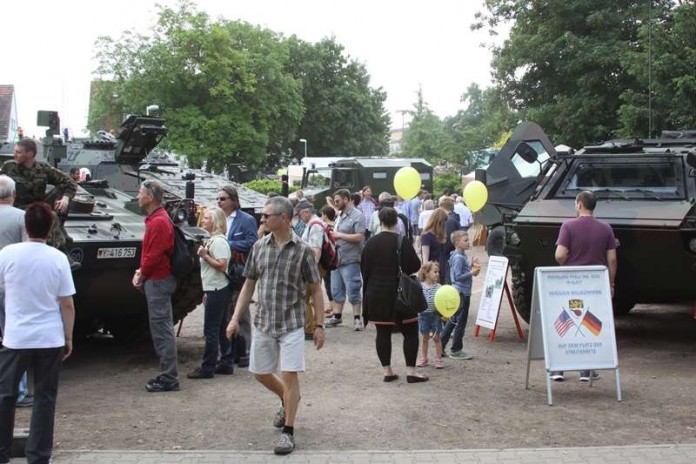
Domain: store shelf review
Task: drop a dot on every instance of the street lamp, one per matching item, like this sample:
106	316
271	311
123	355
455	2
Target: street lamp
304	142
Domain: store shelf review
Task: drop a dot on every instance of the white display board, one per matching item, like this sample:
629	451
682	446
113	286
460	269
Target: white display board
572	321
492	295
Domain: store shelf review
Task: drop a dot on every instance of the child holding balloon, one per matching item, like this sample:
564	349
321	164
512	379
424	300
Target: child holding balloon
461	274
429	320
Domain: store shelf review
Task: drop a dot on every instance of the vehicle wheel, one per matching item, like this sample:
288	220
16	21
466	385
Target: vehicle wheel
622	306
521	294
495	241
188	295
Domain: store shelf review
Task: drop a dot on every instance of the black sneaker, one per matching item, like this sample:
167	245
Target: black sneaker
199	373
224	370
243	361
26	402
158	384
586	375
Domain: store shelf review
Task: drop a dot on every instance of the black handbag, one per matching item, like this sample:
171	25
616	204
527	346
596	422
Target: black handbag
409	294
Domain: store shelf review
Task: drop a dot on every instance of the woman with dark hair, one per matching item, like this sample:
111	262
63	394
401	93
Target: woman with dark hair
433	242
379	268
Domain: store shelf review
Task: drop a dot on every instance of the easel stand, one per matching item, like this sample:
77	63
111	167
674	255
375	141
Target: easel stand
572	325
491	335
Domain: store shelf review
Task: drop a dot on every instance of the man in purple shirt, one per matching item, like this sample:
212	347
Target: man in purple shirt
586	241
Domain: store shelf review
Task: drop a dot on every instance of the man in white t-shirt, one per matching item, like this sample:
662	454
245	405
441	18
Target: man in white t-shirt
40	315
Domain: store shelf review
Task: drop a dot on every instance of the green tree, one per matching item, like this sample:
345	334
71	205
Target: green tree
426	137
344	116
663	63
479	125
561	66
222	86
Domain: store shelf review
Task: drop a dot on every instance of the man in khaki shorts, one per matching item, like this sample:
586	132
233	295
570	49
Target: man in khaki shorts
285	269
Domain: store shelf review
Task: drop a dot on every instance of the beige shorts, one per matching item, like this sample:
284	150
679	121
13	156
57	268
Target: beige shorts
277	353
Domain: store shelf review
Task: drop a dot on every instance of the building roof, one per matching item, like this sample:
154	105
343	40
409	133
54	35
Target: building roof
6	94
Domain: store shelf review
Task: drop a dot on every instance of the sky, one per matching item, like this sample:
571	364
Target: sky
48	49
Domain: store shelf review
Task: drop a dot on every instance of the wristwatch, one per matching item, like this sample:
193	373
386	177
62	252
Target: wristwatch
319	326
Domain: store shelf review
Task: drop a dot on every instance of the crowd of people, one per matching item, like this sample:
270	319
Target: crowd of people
281	264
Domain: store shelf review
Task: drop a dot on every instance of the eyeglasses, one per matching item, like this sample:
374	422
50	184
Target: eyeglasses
266	216
148	186
222	198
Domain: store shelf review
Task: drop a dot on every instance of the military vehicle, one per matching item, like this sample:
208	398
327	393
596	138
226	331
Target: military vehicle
106	227
124	165
355	173
646	190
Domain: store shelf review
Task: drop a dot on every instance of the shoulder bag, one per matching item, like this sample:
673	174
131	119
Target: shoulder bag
409	295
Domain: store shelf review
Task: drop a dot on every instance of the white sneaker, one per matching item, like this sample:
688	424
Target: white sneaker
358	325
333	322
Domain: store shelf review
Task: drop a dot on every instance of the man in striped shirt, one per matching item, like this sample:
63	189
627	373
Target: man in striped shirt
285	269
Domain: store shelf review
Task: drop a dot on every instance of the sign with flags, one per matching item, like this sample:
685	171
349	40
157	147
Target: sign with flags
572	320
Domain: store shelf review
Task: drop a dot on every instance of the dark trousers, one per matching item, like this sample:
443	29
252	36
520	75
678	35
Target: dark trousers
241	343
46	363
383	343
215	323
457	323
158	293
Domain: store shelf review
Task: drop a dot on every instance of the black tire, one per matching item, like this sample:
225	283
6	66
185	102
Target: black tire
495	241
521	292
622	306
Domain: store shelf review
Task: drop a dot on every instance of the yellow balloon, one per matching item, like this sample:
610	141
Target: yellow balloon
407	182
475	195
447	300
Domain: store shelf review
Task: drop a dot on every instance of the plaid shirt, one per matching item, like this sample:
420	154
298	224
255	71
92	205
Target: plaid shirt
367	207
281	277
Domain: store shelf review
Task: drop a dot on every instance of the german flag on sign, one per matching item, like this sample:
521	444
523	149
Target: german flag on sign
593	324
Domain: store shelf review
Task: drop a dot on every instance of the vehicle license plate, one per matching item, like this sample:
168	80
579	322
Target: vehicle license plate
111	253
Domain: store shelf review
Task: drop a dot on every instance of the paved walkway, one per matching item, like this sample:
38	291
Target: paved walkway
664	454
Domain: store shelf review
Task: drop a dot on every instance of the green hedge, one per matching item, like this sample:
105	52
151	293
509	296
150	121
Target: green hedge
451	181
264	185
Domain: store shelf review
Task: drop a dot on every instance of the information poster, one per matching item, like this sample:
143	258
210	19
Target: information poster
576	318
492	294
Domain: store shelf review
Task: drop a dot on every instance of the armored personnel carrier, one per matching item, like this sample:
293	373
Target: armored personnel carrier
646	190
125	165
106	227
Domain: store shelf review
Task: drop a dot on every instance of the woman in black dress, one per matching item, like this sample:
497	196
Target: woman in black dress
380	278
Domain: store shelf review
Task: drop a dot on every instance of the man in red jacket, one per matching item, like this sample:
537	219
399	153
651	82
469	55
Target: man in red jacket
155	277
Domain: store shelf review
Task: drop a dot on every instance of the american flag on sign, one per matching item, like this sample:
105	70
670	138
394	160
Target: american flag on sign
563	323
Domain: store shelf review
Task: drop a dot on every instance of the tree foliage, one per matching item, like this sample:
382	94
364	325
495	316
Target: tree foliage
345	116
577	67
426	136
232	92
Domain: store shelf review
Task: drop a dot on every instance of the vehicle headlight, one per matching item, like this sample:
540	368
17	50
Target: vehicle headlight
692	245
514	239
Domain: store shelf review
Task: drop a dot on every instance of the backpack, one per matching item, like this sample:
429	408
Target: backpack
330	257
180	259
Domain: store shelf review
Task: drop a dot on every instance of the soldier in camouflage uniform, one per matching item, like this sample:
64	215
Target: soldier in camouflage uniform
31	178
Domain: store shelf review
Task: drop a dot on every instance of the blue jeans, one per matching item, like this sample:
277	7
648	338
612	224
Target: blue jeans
158	293
215	322
347	280
457	323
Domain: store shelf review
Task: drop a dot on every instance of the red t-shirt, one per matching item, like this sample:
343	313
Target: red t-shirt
587	239
158	245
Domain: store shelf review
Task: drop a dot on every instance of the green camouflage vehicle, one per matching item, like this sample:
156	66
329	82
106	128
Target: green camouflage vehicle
355	173
646	191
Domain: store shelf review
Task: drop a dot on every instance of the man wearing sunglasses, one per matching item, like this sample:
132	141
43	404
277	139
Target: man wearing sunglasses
241	235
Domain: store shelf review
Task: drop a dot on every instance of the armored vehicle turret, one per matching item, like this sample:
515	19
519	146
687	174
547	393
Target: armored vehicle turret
646	190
